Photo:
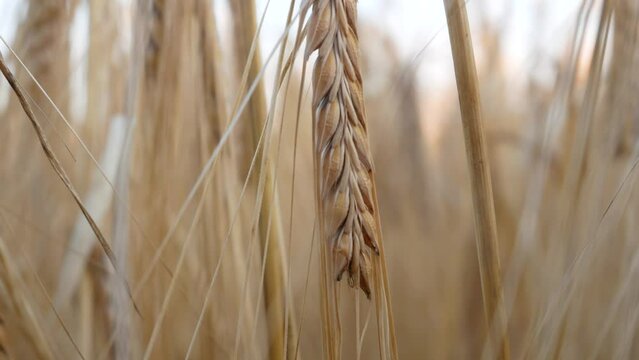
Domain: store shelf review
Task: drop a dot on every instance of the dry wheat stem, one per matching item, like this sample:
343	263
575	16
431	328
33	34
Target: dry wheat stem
303	306
558	304
211	161
556	113
484	209
301	34
57	167
55	311
267	214
178	268
298	40
207	167
20	304
574	182
216	104
119	198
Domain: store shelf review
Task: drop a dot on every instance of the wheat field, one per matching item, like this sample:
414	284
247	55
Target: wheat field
319	179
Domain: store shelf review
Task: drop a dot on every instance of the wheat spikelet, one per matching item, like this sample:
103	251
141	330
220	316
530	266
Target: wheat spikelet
344	168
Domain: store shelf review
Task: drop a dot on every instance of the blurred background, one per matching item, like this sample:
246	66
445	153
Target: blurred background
143	105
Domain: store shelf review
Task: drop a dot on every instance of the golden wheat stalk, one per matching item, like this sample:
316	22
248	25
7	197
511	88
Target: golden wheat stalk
53	159
269	222
476	150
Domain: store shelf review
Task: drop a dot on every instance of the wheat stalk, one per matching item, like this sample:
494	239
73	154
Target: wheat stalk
225	187
21	305
55	163
269	221
484	208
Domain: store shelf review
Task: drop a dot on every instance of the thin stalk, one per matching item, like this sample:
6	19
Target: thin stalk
270	224
59	170
21	306
484	208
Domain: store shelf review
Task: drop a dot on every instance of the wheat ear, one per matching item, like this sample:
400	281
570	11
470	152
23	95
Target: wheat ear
350	227
344	169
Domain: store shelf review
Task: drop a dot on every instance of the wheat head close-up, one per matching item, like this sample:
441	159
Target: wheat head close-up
319	179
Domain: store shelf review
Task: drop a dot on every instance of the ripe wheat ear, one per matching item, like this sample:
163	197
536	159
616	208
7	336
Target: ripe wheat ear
344	170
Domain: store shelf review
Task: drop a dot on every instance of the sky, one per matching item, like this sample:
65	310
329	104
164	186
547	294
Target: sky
416	27
412	23
419	27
